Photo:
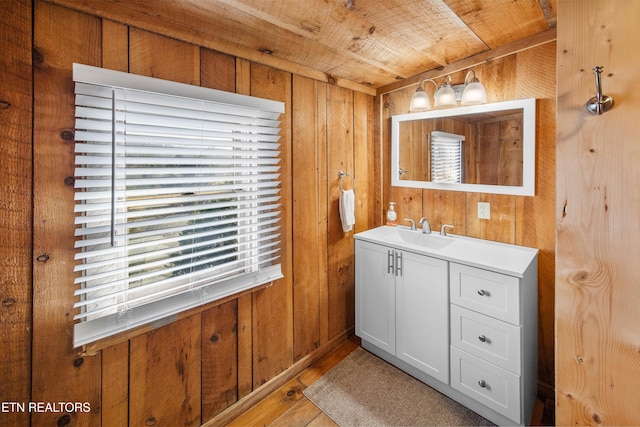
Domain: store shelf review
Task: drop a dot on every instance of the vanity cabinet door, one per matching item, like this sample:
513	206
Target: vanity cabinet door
375	295
422	315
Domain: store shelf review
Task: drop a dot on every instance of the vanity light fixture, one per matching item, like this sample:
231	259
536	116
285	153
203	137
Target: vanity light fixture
420	100
446	96
474	92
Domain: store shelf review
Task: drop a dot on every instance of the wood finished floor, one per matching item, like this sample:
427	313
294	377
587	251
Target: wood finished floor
287	406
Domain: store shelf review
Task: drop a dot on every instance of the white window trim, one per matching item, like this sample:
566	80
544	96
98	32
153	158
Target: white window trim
93	329
105	77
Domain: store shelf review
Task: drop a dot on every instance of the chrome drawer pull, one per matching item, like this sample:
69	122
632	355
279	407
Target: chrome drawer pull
482	383
482	338
482	292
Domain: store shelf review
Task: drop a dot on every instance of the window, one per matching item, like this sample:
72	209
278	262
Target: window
446	157
177	198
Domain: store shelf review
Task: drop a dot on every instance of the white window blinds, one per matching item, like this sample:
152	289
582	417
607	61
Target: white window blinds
446	157
177	198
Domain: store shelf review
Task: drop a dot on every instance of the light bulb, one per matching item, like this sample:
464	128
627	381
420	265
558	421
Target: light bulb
446	96
419	101
474	92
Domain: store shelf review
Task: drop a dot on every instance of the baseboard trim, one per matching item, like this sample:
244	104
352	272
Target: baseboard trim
242	405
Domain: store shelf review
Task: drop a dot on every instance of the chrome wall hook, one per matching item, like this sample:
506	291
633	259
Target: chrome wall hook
600	103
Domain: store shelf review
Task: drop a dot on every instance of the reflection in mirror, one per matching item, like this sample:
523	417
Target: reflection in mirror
485	148
445	157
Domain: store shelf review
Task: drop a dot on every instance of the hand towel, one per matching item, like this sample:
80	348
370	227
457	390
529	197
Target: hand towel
347	204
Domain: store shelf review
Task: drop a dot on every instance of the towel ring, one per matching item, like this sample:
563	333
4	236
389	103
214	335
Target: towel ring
341	175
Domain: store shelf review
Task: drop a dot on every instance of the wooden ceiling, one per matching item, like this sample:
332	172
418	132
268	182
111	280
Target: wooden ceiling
371	43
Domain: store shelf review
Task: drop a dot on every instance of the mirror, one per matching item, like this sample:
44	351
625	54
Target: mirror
487	148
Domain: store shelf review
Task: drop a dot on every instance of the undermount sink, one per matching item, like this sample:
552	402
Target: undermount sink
418	238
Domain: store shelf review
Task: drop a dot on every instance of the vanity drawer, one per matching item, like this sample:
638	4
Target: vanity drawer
490	385
493	340
494	294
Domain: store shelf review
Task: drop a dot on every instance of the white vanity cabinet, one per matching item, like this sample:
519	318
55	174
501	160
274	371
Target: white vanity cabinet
402	306
459	314
494	340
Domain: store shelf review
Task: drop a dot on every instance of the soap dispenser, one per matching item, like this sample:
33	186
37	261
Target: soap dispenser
391	214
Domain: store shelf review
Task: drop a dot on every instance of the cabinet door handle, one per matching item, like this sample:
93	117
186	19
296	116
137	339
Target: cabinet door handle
482	383
390	267
398	263
482	338
482	292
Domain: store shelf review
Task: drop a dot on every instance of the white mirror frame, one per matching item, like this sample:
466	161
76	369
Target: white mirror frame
528	145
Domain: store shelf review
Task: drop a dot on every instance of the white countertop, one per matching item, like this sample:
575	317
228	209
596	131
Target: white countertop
500	257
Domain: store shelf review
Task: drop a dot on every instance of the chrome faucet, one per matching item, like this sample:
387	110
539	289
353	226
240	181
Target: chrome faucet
413	223
426	227
443	230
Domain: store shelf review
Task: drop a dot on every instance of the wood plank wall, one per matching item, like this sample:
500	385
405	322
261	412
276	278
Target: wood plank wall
191	370
527	221
15	207
597	294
